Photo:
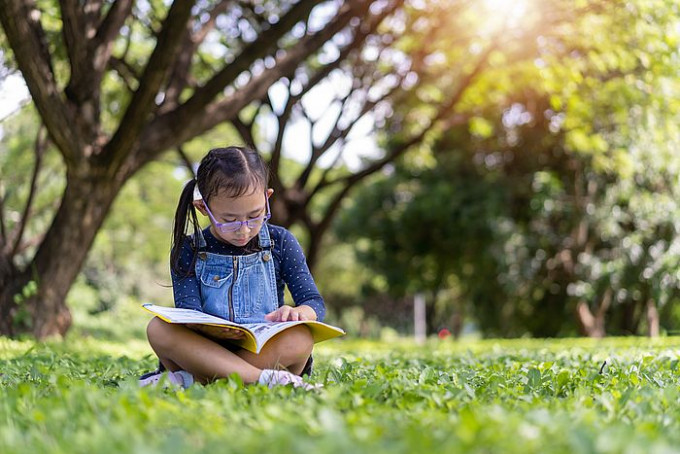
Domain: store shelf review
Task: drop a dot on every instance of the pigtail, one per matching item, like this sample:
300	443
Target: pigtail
185	211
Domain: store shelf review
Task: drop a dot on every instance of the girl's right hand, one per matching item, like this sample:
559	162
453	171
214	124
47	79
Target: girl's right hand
218	332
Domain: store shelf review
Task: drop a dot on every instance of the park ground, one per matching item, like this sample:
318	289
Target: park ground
80	395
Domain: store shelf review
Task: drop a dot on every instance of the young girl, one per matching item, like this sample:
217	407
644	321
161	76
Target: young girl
235	269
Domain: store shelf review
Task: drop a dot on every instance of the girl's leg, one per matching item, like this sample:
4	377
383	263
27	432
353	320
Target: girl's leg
181	348
289	349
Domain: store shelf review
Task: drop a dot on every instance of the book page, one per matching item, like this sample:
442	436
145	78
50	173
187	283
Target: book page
179	315
265	331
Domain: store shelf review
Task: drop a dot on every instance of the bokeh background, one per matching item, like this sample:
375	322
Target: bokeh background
510	167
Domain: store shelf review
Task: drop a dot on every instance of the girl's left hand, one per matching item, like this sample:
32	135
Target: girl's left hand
291	314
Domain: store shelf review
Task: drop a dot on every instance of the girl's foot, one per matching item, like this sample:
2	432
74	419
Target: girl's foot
180	377
273	378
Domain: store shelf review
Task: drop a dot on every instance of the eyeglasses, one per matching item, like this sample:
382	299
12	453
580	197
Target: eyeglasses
233	226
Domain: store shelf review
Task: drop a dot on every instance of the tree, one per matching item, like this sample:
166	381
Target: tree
115	86
586	224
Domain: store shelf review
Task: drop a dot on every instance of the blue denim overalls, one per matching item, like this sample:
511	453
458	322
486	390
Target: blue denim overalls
245	299
240	288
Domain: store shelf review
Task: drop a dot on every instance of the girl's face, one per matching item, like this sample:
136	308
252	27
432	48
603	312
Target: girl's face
226	209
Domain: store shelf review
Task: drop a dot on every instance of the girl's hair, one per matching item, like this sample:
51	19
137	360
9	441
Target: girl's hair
235	171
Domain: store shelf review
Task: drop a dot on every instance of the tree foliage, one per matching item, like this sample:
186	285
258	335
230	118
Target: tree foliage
565	158
117	84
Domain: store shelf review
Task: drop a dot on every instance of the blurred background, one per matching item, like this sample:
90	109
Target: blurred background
480	168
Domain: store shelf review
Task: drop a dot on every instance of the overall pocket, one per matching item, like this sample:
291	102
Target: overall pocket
215	285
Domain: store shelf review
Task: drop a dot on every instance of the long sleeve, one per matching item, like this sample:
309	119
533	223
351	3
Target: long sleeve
185	286
295	273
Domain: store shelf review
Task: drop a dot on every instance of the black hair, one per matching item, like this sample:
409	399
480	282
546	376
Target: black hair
236	171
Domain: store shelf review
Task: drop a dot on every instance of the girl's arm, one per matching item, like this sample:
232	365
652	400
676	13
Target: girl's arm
185	286
295	273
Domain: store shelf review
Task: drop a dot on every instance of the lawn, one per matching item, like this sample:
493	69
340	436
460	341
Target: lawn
510	396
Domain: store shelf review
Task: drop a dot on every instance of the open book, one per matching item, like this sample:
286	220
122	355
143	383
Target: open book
256	334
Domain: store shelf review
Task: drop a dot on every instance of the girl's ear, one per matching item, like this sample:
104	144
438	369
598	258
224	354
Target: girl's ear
269	192
200	206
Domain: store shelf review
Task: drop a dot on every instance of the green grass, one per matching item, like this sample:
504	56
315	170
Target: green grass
523	396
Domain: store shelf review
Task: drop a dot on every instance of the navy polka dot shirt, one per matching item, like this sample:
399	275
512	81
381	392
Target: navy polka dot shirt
290	266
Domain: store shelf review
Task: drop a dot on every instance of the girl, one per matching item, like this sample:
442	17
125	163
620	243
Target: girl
234	269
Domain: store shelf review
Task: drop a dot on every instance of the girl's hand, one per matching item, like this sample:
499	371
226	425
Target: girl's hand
218	332
291	314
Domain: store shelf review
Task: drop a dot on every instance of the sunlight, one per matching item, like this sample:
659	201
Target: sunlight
504	13
13	92
512	8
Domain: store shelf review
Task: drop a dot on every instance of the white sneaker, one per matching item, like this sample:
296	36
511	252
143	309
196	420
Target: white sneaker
180	377
273	378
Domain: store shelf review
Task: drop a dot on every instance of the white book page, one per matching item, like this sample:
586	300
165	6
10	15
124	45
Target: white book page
178	315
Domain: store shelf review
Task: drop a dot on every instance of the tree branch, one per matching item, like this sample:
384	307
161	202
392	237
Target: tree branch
255	50
39	150
329	213
323	181
3	228
245	131
179	75
75	39
102	44
318	151
21	23
185	159
143	101
92	14
365	29
315	79
444	110
89	50
125	71
340	134
184	123
282	120
362	32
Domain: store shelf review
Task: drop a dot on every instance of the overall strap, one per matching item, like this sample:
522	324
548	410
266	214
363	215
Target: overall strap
264	238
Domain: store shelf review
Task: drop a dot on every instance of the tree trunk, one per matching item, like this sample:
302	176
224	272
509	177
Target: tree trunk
41	307
652	319
419	318
8	288
313	248
593	325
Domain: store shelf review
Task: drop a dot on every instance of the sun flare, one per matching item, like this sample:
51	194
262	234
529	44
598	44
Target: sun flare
506	7
504	13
